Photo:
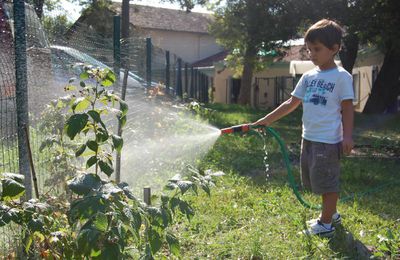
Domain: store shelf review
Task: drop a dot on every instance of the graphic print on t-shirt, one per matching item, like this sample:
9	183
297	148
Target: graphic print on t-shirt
316	91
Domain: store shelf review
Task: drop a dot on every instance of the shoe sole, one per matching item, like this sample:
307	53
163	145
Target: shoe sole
328	234
309	222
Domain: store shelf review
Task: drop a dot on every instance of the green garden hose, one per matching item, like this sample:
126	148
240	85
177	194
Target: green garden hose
292	182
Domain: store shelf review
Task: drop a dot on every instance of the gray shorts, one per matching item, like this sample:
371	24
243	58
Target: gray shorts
320	166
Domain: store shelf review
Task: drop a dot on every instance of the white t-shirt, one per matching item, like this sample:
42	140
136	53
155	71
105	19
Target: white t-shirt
322	92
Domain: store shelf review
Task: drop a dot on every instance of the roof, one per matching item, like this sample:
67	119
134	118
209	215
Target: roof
291	52
209	61
151	17
296	52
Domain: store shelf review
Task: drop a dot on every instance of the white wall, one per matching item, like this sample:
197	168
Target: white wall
190	47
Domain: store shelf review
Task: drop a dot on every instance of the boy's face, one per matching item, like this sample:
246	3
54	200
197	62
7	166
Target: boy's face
321	55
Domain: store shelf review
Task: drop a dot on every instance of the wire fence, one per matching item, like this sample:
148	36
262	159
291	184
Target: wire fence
50	66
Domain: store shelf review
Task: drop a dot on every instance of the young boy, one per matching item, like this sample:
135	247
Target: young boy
326	93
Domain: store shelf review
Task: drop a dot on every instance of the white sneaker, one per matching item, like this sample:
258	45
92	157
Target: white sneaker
319	229
336	219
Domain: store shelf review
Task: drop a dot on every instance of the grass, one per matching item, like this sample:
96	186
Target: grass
252	216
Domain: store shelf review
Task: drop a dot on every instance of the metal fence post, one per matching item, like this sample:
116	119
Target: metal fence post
167	71
207	89
22	93
147	195
186	79
191	91
148	62
196	83
179	79
117	45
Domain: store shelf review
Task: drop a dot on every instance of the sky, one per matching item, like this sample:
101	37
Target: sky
73	9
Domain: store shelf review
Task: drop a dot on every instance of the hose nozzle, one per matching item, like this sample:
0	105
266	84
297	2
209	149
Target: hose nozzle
236	129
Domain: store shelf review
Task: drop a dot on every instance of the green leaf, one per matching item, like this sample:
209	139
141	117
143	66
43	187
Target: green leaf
92	160
80	150
92	145
106	168
108	79
101	222
80	104
118	142
5	215
84	183
166	217
155	241
123	106
106	83
69	87
111	251
184	185
13	186
156	215
96	117
28	243
122	120
206	188
84	75
82	84
15	176
75	124
87	240
86	207
173	244
102	135
35	224
186	209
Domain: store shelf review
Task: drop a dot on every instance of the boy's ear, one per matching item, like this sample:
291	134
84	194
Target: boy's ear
336	48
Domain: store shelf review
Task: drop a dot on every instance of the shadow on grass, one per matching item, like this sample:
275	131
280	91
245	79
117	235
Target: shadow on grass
345	245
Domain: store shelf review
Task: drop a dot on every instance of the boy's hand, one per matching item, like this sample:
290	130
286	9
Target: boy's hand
262	121
347	145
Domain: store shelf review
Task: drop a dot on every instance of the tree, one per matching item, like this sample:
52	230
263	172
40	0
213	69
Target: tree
250	27
379	26
368	22
341	11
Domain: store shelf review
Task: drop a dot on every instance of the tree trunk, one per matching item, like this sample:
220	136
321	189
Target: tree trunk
247	76
348	53
386	87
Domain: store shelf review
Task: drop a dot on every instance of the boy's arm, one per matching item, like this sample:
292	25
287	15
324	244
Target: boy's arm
281	111
347	121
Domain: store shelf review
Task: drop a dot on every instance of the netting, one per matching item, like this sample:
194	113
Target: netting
50	63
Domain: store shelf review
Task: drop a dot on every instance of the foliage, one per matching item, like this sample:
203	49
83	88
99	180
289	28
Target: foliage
104	220
62	163
389	244
248	28
56	26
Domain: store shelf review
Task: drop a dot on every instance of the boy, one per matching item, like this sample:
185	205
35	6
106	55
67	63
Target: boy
326	93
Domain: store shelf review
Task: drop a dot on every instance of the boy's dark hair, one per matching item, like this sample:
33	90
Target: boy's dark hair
326	32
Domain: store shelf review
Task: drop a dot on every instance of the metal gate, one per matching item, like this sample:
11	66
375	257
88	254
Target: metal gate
270	92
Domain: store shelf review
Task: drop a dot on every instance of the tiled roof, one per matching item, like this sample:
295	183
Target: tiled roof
209	61
166	19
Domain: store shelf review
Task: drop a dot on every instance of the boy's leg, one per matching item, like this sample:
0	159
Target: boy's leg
329	201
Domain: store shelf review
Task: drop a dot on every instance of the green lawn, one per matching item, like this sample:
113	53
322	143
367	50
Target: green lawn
253	214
